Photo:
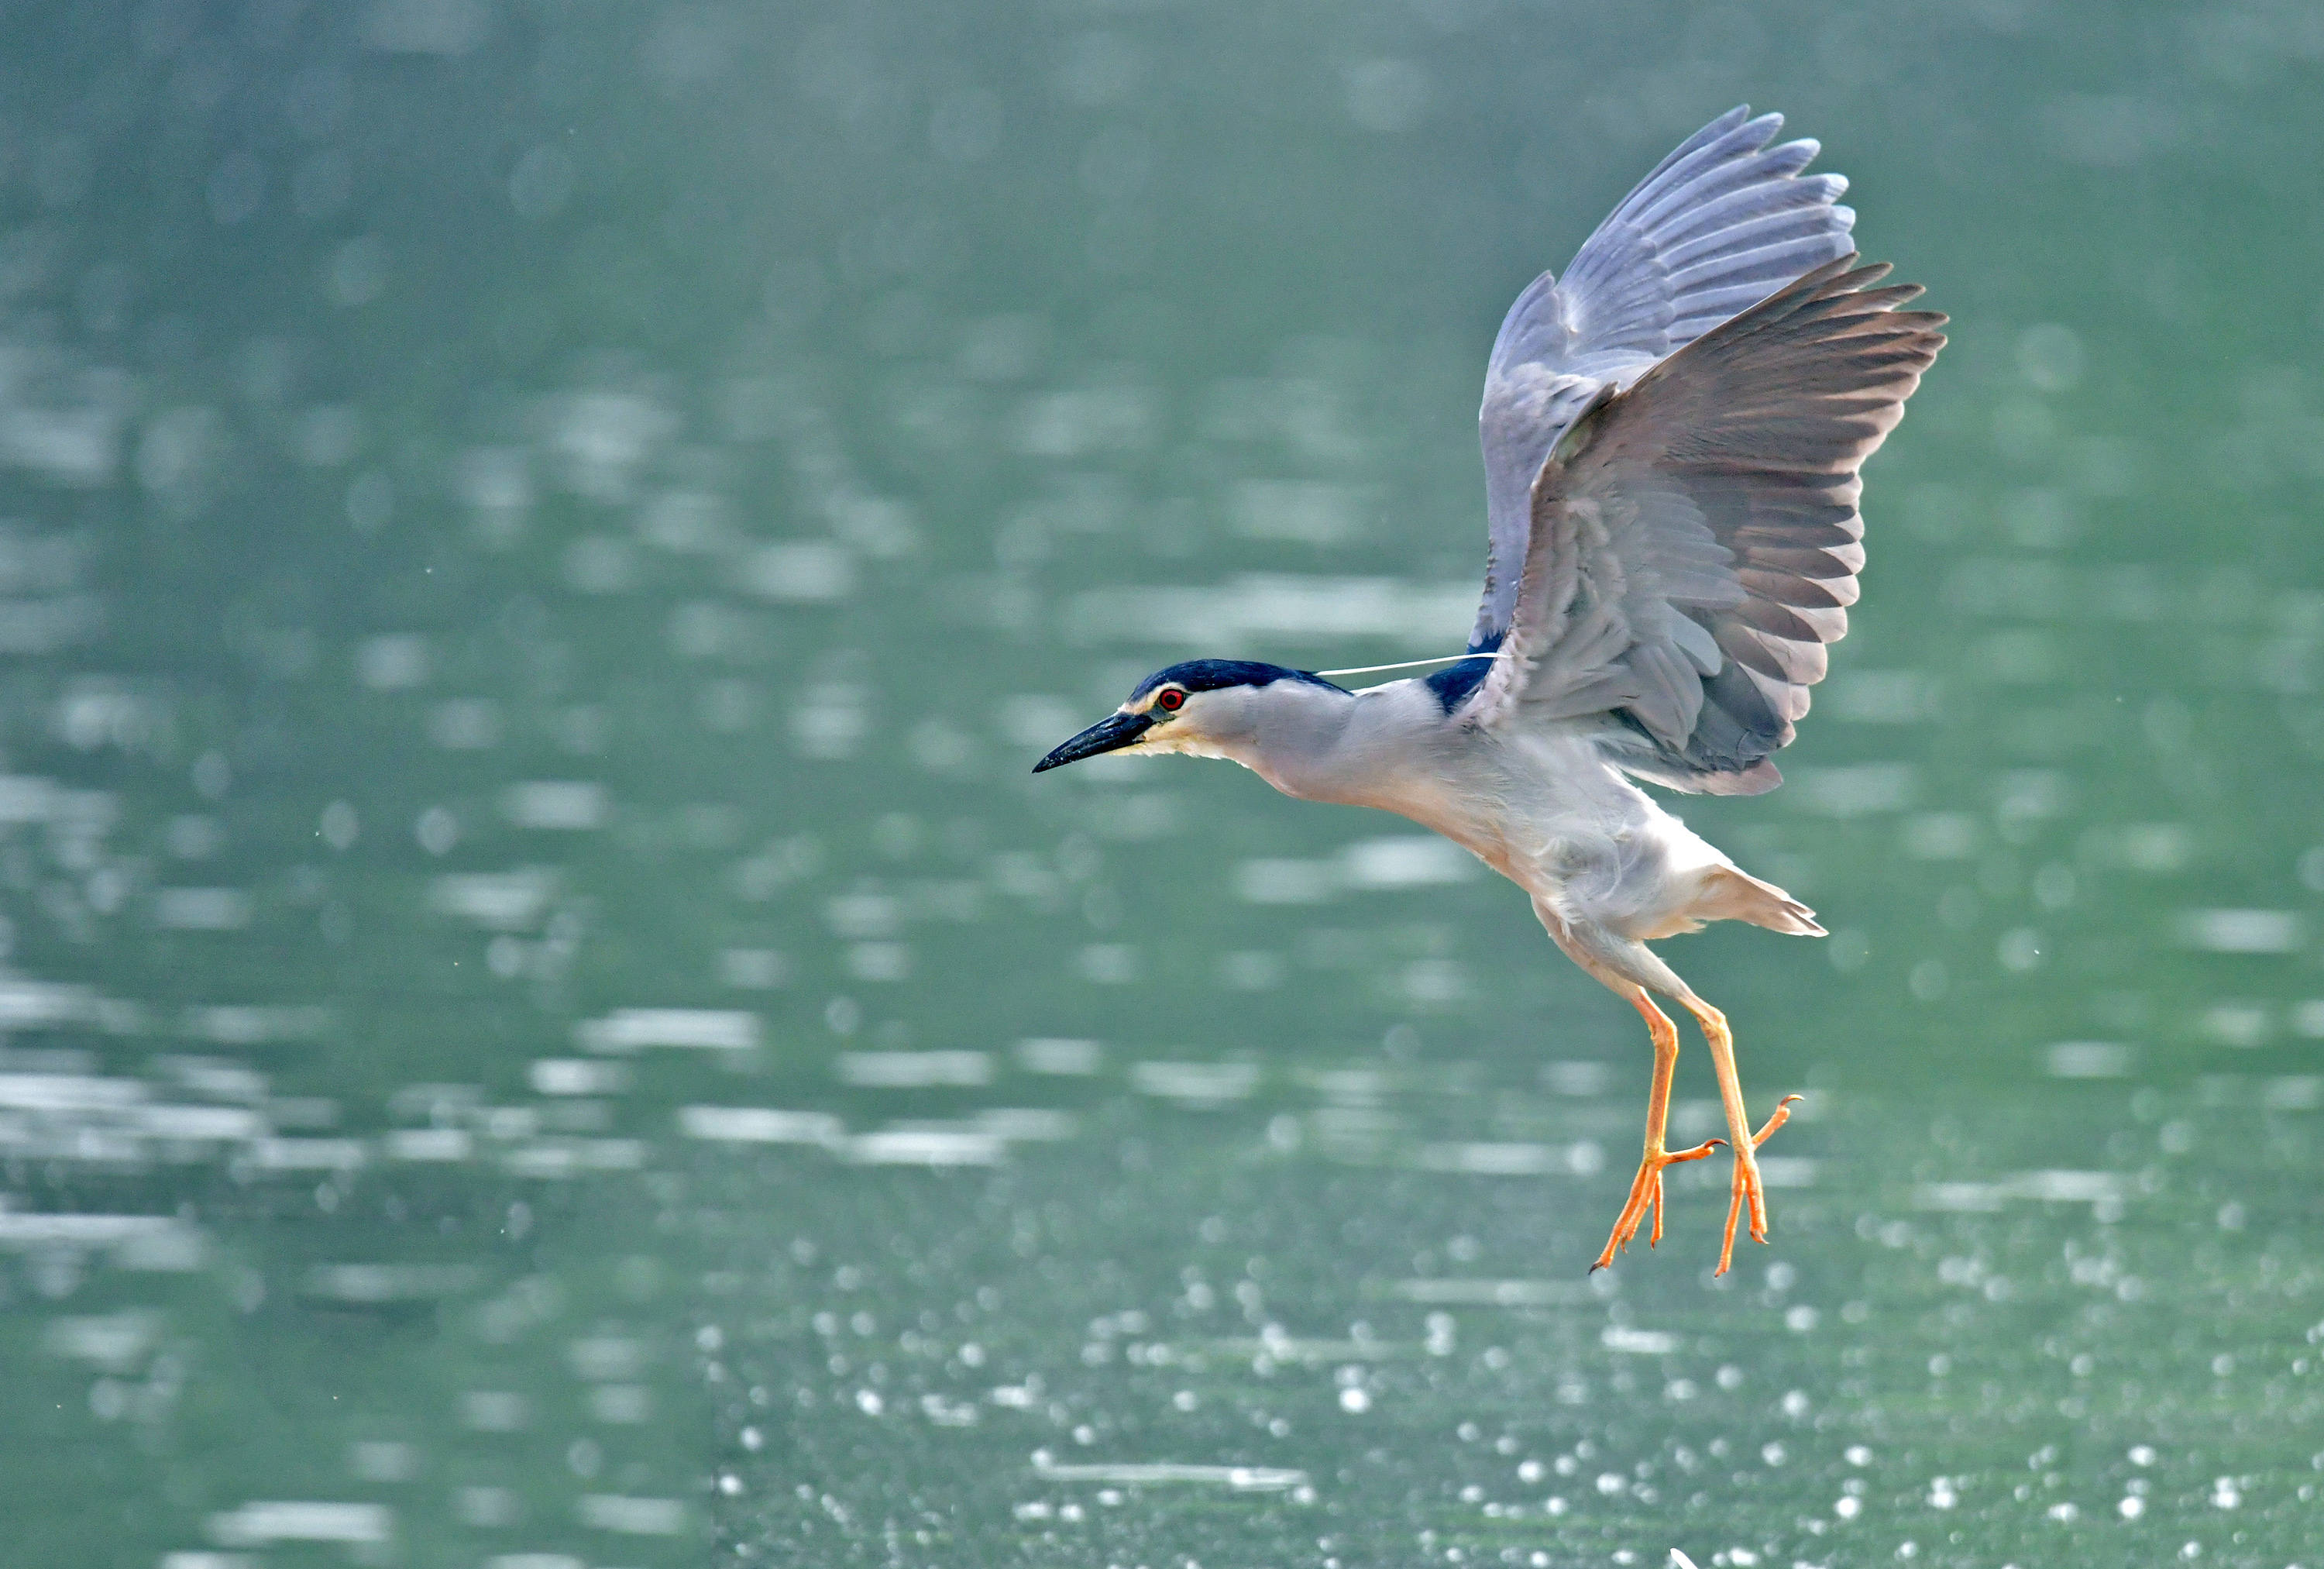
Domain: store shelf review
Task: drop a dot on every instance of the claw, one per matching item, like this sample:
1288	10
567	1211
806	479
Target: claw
1646	1195
1782	1114
1748	1189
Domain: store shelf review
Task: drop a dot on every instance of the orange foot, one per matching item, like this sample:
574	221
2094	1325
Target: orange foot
1746	1187
1647	1191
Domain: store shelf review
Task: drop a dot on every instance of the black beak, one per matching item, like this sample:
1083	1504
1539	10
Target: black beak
1106	735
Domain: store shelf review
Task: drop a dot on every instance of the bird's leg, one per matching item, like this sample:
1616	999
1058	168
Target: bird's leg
1746	1188
1646	1187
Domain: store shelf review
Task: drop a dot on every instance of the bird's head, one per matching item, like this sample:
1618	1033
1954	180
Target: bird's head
1203	708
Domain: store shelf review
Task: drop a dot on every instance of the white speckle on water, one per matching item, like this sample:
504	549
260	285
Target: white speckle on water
1638	1341
2242	931
256	1525
557	805
1197	1082
635	1516
1076	1057
913	1069
2088	1059
690	1028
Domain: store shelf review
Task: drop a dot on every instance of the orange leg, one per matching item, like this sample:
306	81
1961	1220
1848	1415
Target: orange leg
1646	1187
1746	1188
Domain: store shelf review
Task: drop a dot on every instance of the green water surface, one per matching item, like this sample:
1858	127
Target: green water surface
544	1023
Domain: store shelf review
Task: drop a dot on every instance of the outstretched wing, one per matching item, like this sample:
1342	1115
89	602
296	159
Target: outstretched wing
1693	542
1719	225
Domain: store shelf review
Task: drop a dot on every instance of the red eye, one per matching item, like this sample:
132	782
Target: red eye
1169	699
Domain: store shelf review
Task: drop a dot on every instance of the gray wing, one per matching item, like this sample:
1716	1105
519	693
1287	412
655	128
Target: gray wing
1693	542
1720	224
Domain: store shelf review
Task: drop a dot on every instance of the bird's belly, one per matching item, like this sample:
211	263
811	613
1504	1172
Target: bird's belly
1636	882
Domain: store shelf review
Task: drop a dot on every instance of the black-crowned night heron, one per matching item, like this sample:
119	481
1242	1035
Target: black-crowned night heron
1672	437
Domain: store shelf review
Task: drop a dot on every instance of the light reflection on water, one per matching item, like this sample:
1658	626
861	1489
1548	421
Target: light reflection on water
545	1024
1303	1284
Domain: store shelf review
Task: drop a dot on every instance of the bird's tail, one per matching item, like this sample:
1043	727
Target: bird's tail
1736	895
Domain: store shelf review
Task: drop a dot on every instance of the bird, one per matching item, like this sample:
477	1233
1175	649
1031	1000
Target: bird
1672	434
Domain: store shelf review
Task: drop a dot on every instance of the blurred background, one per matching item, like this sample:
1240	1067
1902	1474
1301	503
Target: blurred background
547	1024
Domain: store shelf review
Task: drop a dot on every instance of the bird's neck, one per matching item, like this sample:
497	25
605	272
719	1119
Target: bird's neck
1283	732
1321	744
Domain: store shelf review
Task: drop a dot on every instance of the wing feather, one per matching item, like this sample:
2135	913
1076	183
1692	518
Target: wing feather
1693	542
1718	226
